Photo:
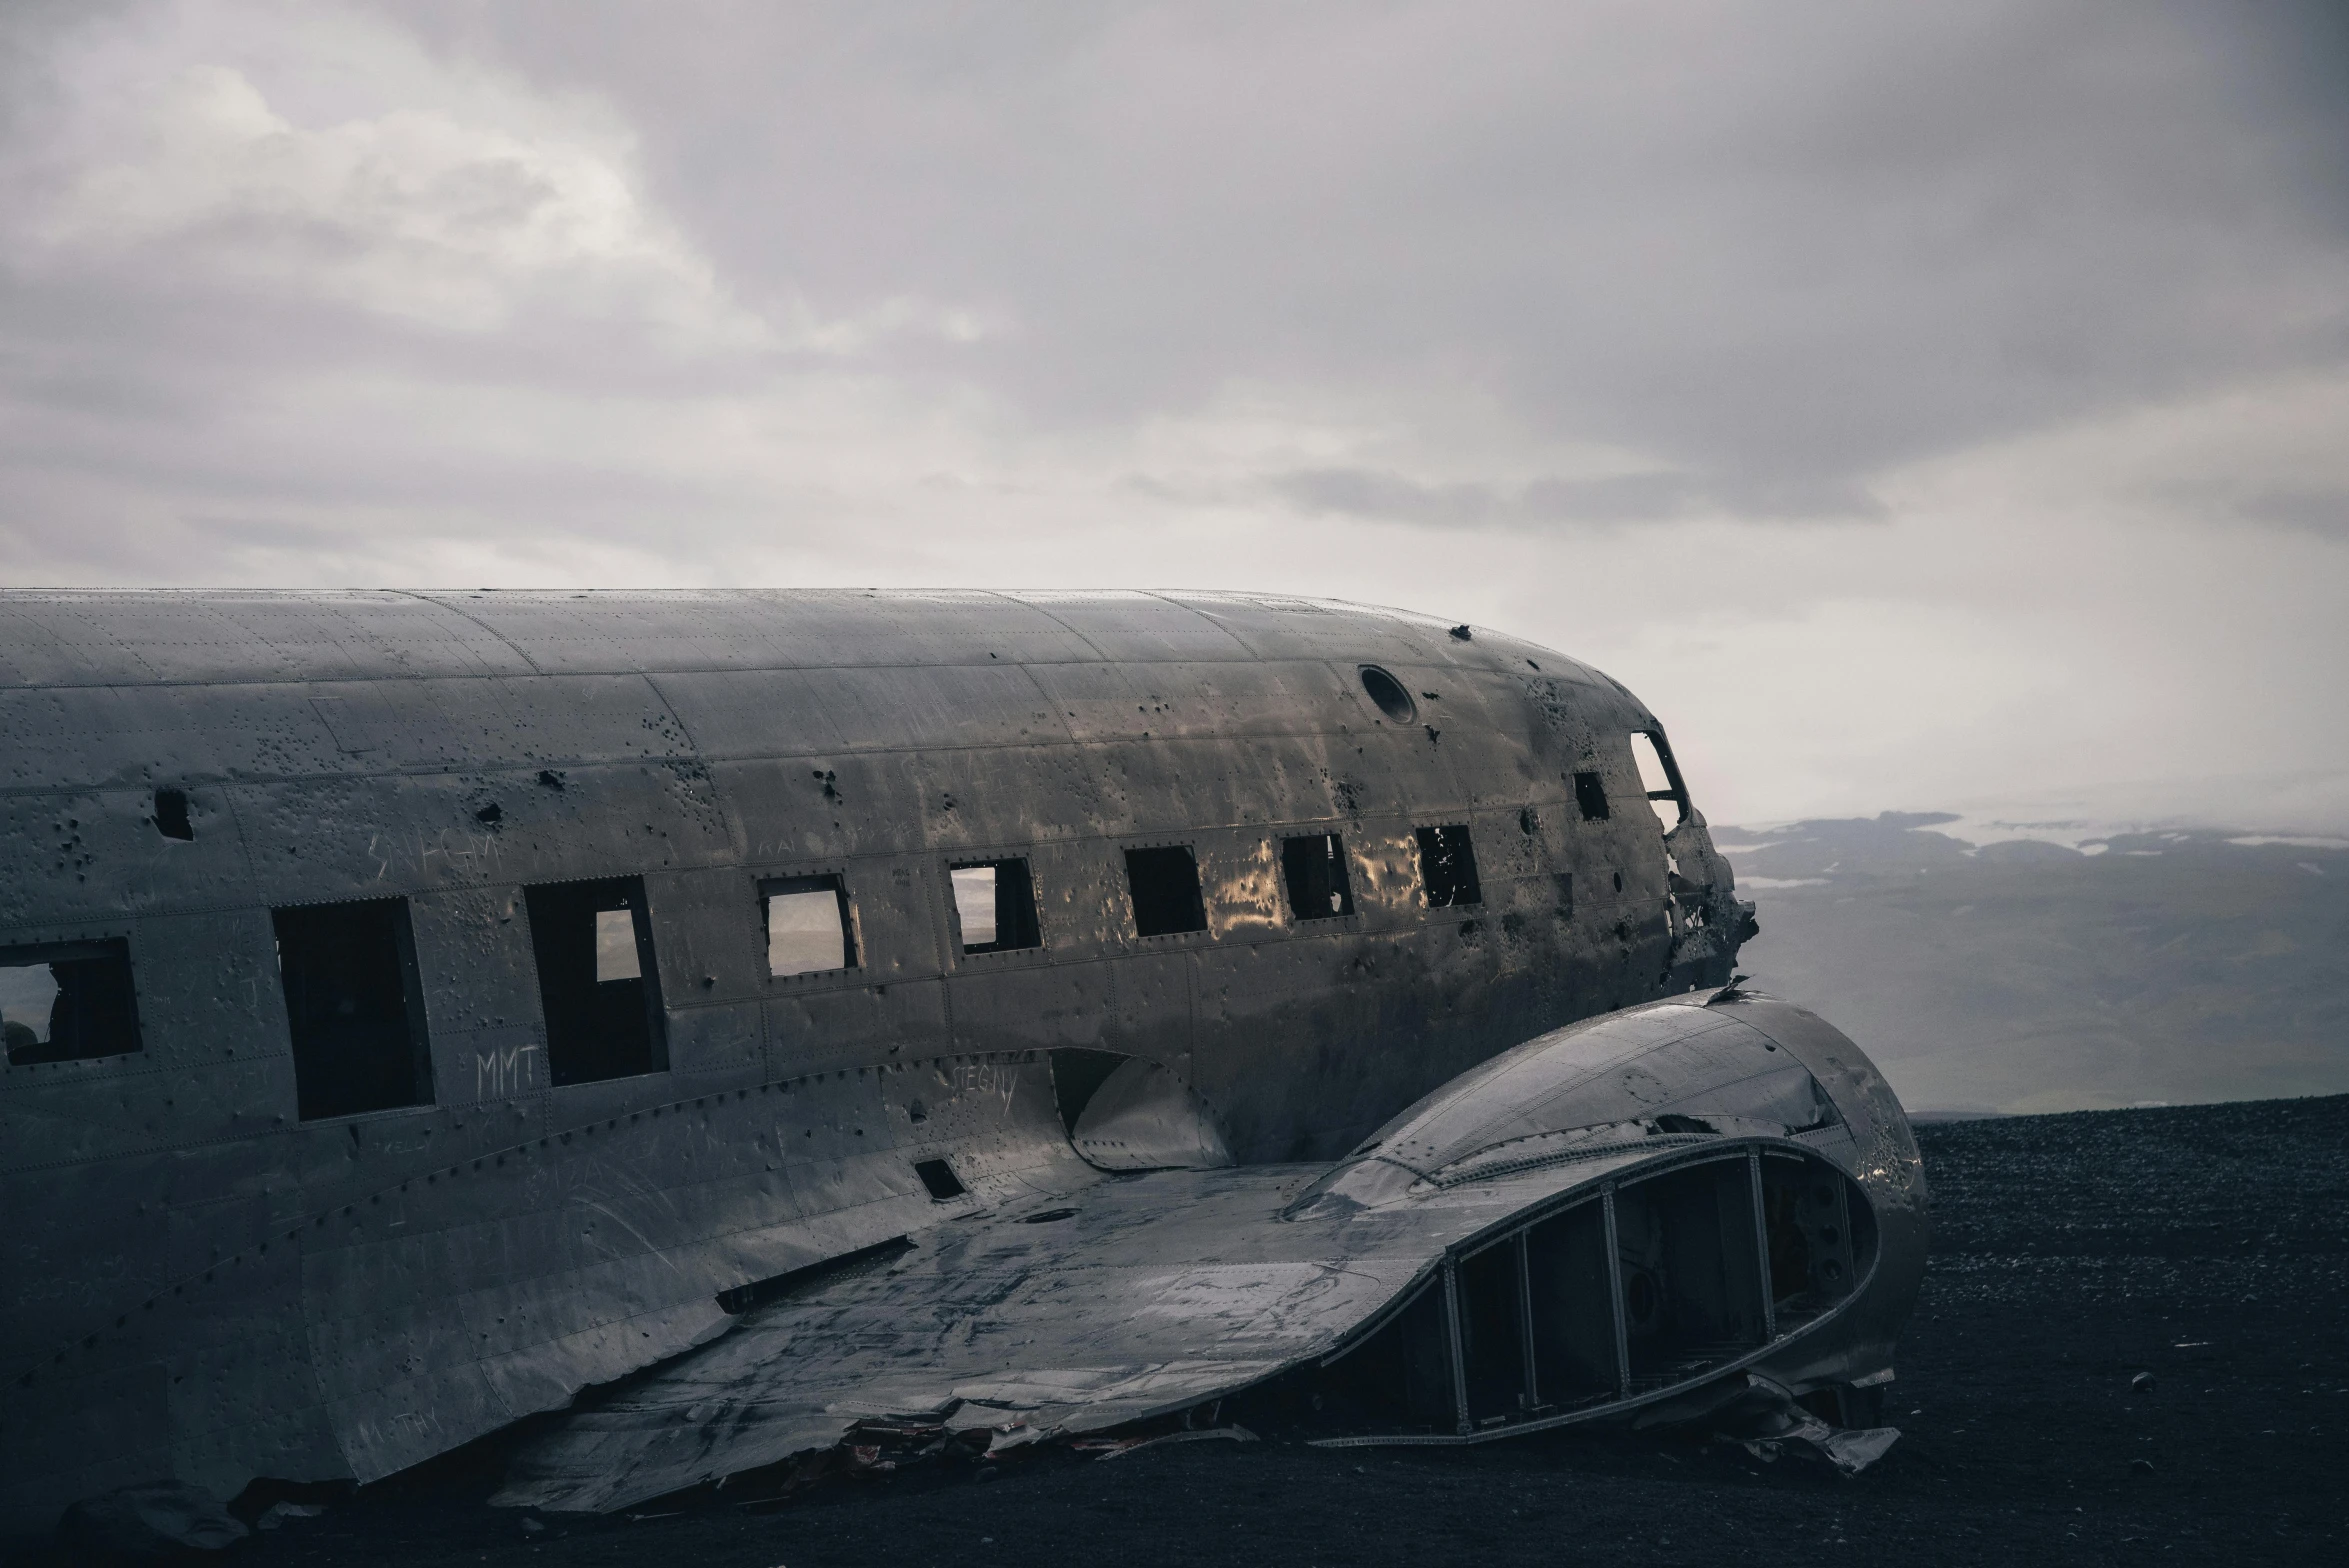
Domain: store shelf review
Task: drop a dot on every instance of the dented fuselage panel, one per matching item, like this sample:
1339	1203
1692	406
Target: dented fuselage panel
421	1007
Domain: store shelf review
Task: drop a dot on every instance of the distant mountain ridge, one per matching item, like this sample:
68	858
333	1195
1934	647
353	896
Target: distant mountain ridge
2025	975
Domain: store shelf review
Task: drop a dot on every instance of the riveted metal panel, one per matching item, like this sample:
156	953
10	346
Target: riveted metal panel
897	903
1224	698
718	1045
89	856
473	958
209	991
54	1116
479	979
1005	797
404	726
141	737
1035	1007
84	1246
321	840
689	629
1140	627
755	713
812	1030
1273	627
797	713
803	809
97	637
706	927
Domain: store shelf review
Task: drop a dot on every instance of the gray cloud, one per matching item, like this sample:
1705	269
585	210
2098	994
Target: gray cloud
1557	502
723	291
1790	243
1778	246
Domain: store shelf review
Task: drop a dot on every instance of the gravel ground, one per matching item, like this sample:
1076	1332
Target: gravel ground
2205	1245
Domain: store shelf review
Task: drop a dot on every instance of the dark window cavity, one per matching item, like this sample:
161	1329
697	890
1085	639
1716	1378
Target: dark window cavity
939	1178
1165	887
994	906
597	980
808	925
171	815
1591	796
1660	778
67	1002
353	1004
1315	870
1388	693
1447	867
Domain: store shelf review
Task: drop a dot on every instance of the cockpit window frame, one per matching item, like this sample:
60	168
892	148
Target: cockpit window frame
1676	789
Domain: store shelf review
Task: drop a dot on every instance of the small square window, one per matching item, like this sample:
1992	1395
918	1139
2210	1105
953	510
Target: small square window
171	815
808	926
67	1002
353	1006
598	981
1591	795
1164	884
995	906
1447	867
939	1180
1315	870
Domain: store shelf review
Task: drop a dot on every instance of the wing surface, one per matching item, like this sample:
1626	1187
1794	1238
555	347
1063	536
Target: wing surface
1154	1291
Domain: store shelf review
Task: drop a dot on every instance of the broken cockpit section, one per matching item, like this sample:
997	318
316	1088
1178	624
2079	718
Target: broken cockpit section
1709	921
1652	1283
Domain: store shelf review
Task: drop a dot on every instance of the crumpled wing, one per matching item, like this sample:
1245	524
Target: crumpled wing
1158	1291
1151	1292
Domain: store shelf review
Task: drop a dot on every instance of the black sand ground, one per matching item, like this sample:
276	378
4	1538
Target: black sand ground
2208	1246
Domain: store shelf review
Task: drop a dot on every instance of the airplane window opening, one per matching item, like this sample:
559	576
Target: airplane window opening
598	982
1164	883
1692	1269
1591	795
1659	778
809	929
171	815
1388	693
67	1002
939	1178
354	1007
1314	868
1447	867
995	906
616	957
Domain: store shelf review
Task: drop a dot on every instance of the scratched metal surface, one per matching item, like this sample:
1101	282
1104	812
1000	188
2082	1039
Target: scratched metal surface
199	1284
1154	1293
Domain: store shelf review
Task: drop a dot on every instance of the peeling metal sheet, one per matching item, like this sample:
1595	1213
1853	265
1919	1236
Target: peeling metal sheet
1065	1326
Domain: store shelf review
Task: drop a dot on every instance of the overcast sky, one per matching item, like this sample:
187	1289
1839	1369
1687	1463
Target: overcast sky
1917	405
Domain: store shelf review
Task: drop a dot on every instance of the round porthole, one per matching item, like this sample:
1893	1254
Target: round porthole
1388	693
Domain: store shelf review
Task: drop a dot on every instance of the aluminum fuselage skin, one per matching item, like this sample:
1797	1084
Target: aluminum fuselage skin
201	1284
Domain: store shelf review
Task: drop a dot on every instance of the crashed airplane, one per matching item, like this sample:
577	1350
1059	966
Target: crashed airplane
1028	1014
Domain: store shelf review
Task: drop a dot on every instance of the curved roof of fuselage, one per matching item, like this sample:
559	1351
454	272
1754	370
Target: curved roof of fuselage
337	745
85	650
138	637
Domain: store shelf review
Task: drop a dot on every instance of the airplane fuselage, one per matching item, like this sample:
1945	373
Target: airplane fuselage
449	998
